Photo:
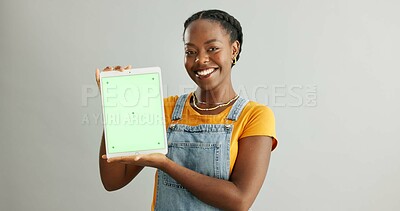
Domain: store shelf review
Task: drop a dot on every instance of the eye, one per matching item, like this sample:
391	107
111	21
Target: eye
190	53
213	49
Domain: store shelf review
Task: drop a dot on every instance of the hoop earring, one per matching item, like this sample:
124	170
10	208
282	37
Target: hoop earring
234	61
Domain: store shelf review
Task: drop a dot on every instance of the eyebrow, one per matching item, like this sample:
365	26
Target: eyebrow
207	42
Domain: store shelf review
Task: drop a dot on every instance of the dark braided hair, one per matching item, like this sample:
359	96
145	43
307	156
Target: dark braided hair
228	22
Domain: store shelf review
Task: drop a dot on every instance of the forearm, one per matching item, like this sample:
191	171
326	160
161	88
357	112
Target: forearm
245	180
219	193
115	175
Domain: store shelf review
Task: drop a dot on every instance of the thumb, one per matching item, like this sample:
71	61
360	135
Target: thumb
98	78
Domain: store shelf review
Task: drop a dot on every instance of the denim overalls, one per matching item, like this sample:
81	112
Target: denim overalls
203	148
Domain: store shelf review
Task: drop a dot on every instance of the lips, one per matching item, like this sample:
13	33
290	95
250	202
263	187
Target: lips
205	73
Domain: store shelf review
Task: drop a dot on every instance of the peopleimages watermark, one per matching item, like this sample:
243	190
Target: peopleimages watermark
274	96
124	119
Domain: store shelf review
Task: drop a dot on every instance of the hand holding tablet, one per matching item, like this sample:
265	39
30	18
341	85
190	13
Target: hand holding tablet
133	111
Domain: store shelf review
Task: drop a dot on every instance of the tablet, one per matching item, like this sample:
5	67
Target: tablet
133	112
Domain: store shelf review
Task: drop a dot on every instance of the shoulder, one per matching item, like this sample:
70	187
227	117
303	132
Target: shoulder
169	103
257	110
171	100
258	119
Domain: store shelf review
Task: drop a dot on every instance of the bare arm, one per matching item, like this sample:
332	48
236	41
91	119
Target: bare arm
246	180
115	175
238	193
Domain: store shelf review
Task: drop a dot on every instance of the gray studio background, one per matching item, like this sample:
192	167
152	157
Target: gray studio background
328	69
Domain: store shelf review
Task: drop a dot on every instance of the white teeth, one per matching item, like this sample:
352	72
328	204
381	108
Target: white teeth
205	72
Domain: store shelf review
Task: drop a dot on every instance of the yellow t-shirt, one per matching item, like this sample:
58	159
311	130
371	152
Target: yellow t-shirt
255	120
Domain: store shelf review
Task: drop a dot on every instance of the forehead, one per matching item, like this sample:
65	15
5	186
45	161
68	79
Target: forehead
204	29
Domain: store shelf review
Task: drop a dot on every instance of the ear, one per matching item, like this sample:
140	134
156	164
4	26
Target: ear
235	48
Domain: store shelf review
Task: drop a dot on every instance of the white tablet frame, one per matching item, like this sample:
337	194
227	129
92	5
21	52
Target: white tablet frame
135	71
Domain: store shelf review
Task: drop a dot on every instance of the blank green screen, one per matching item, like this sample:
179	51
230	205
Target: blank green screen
133	113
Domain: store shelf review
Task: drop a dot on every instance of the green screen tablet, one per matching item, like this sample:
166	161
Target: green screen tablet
133	112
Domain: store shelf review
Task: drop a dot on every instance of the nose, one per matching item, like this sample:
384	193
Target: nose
202	58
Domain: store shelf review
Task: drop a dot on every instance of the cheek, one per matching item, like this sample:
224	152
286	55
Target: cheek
222	58
217	57
188	63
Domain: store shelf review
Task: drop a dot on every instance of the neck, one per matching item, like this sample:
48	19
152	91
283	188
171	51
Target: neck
213	97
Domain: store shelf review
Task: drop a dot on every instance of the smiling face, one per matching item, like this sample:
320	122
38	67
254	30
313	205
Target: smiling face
208	54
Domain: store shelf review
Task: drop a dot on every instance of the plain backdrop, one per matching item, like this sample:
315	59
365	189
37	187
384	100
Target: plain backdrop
328	69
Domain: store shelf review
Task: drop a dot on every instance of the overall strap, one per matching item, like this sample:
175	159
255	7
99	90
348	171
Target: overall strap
178	109
237	108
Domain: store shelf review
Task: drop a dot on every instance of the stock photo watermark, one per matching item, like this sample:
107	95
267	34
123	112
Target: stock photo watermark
274	96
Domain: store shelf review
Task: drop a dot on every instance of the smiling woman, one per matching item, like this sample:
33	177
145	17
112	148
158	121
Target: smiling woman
219	143
209	56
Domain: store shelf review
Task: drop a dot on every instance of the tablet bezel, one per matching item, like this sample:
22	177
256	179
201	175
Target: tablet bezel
135	71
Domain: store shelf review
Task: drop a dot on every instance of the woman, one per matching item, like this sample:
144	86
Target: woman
219	143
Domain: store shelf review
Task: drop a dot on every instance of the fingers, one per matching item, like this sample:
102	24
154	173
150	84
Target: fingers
110	68
123	159
118	68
